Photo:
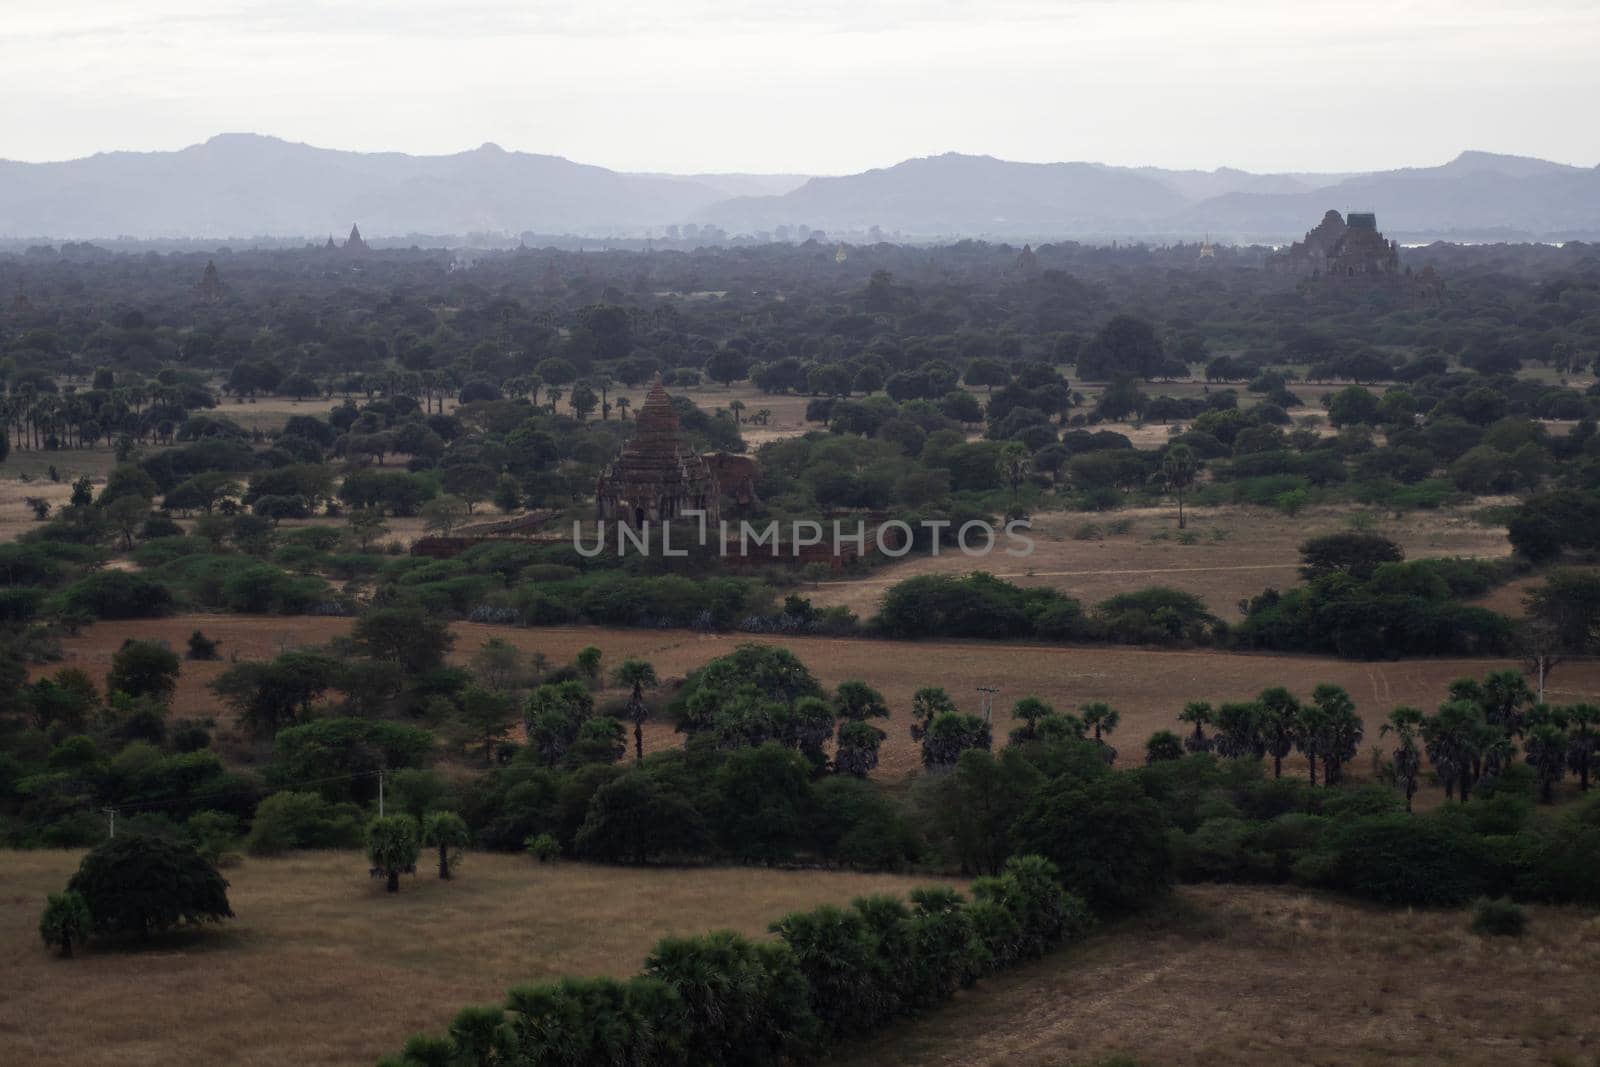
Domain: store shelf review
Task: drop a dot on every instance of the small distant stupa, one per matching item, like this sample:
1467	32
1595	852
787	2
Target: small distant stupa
209	288
19	303
551	281
1027	262
354	243
330	246
1207	249
840	254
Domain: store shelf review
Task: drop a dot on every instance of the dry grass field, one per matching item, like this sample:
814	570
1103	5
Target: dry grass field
1238	552
1235	976
1148	687
321	967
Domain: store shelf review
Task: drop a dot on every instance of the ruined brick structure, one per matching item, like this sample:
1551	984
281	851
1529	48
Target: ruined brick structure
657	477
1342	249
209	288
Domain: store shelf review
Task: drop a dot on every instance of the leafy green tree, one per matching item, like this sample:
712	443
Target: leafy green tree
634	819
144	669
600	739
444	513
763	796
554	715
1569	602
66	920
975	806
142	884
487	714
393	847
447	832
588	662
1353	552
1108	838
271	695
404	635
1163	745
949	735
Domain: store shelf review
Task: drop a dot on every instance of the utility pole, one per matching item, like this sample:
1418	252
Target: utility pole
380	794
111	814
988	692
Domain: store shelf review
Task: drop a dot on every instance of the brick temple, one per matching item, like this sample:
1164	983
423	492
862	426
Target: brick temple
657	477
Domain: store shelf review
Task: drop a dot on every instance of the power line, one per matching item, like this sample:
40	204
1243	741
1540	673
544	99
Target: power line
263	791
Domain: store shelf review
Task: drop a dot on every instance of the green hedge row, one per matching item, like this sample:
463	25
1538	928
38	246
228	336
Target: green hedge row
833	974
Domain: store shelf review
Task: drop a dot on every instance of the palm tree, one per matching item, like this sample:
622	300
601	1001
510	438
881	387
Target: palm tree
1239	730
928	704
393	847
1582	720
603	381
1030	710
623	403
1179	467
1199	713
737	407
1280	726
446	831
1101	718
859	701
1015	466
639	675
1343	727
1406	762
1455	737
856	752
1547	754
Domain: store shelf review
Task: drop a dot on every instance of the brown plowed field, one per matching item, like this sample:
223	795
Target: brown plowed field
1148	687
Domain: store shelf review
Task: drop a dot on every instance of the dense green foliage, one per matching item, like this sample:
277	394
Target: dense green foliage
141	884
834	974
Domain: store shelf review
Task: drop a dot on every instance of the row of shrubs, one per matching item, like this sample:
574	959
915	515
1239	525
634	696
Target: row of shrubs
1231	824
981	605
833	974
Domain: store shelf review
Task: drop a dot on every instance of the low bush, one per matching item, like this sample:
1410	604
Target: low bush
1499	918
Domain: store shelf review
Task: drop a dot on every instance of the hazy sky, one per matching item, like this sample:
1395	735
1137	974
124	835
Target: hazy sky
822	87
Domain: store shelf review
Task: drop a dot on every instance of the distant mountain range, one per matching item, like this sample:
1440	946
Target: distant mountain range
245	185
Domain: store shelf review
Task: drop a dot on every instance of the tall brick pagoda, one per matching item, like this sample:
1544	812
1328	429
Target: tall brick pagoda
657	477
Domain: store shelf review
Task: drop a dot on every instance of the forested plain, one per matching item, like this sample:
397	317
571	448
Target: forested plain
271	433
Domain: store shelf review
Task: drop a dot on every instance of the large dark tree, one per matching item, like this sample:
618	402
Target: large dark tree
141	884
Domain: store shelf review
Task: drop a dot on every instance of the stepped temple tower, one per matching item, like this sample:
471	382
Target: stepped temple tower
1341	248
657	477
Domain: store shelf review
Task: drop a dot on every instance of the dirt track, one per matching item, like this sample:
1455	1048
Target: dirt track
1265	976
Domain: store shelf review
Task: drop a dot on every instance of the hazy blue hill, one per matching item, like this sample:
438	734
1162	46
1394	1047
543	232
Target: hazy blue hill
954	193
238	185
248	184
